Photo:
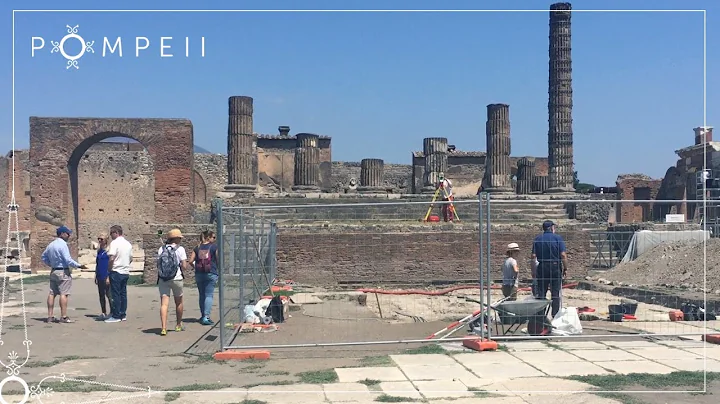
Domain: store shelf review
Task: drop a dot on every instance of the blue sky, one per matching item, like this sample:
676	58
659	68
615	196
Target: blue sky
380	82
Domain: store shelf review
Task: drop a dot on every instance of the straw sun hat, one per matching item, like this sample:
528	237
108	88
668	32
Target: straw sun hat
513	247
174	233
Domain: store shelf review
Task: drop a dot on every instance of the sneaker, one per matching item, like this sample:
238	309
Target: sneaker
179	328
51	320
206	321
66	320
102	317
163	332
112	320
123	319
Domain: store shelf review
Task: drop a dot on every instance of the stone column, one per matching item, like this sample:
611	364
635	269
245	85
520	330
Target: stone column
371	175
540	183
436	161
497	162
307	163
560	132
242	162
525	175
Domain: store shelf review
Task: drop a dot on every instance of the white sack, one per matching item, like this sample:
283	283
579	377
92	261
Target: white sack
567	322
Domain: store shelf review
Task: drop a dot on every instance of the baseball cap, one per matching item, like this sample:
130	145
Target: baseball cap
547	224
63	229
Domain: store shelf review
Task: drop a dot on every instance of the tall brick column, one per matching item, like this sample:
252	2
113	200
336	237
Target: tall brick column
525	175
242	146
307	162
497	163
371	175
436	161
560	94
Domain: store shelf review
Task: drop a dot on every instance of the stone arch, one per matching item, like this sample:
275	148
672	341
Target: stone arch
199	188
57	144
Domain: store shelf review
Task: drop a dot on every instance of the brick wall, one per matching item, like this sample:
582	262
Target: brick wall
397	177
636	188
412	255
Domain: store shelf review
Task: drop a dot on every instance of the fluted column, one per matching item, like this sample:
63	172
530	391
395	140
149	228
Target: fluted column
497	162
242	162
436	161
371	175
525	175
540	183
560	94
307	162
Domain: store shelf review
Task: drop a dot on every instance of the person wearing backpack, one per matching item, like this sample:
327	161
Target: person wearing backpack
204	259
172	260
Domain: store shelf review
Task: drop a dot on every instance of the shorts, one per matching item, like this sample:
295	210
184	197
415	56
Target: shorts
175	286
510	291
60	282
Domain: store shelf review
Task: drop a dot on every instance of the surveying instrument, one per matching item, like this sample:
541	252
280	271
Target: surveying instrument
449	205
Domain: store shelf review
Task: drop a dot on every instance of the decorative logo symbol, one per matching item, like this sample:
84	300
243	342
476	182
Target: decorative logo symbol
72	60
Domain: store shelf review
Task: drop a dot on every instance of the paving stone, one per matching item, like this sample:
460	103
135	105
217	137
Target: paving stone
664	353
423	359
478	359
664	327
527	346
342	392
400	389
384	374
607	355
223	396
580	398
575	345
709	352
641	366
296	393
83	367
436	372
544	385
507	371
306	298
442	389
482	400
631	344
692	365
545	356
564	369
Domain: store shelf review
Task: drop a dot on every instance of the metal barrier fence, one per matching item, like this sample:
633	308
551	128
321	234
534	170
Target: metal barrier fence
378	273
247	266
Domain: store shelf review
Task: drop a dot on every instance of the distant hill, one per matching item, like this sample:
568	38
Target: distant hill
196	148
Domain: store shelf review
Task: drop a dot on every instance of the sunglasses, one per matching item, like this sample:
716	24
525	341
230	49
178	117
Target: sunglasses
101	239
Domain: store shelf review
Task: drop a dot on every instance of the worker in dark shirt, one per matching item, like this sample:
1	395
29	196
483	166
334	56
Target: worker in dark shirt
549	251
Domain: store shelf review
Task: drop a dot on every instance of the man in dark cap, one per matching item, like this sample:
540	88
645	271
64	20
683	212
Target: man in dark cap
549	251
57	257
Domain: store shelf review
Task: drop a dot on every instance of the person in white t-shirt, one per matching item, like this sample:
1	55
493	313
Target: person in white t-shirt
448	210
175	285
120	258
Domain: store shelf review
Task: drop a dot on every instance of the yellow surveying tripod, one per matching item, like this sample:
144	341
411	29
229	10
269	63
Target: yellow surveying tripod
450	207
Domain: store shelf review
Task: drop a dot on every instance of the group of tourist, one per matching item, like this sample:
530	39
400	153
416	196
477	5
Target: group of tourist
112	271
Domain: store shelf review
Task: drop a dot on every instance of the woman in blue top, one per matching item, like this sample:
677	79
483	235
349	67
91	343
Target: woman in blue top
102	280
204	260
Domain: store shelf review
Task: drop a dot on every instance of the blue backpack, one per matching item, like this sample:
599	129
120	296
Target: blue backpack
168	263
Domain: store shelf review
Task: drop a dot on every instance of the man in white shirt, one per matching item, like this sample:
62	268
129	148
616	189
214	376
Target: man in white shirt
120	258
448	210
175	284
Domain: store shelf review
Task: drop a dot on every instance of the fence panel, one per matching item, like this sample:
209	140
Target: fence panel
650	270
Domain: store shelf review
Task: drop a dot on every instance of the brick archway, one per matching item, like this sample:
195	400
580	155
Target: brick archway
57	144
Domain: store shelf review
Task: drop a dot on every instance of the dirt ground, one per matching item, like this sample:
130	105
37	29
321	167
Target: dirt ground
679	264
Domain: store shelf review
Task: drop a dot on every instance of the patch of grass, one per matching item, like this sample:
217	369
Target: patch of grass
385	398
277	373
201	359
275	383
16	327
254	366
652	381
369	382
248	401
200	387
482	393
182	367
318	376
58	360
70	386
171	397
426	349
376	361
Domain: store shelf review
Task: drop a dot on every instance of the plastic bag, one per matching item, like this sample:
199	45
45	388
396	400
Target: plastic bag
567	322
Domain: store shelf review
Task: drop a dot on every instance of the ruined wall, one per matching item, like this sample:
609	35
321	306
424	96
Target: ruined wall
396	177
115	187
276	162
635	187
400	254
22	198
593	212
